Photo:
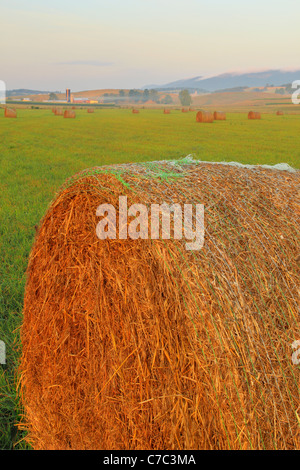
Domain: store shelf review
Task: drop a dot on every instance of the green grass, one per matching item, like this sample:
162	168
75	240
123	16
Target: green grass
38	151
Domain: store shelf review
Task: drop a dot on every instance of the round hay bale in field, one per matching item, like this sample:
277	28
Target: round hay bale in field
166	111
219	116
204	116
58	112
135	111
10	113
254	115
90	110
141	343
53	110
184	110
69	114
280	113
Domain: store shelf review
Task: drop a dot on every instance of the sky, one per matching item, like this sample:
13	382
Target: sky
93	44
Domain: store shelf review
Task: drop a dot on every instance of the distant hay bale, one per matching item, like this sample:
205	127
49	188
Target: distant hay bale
184	110
254	115
10	113
219	116
69	114
166	111
53	110
135	111
141	344
58	112
90	110
204	116
280	113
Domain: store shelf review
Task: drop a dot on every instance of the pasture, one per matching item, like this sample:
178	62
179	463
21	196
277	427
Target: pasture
38	151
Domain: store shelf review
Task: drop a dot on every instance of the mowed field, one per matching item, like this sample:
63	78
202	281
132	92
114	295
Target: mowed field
38	151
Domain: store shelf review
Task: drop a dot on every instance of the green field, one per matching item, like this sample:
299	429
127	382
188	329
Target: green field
38	151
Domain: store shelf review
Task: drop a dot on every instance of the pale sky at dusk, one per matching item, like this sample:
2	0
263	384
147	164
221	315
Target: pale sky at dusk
52	45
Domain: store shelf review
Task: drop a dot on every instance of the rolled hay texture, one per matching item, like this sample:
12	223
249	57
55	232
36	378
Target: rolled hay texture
58	112
279	113
166	111
219	116
135	111
142	344
90	110
204	116
10	113
254	115
69	114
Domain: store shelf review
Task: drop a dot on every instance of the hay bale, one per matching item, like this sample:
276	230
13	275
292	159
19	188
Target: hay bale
69	114
58	112
254	115
135	111
219	116
90	110
166	111
184	110
204	116
10	113
279	113
53	110
142	344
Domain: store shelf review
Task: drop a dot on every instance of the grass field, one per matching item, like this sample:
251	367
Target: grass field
38	151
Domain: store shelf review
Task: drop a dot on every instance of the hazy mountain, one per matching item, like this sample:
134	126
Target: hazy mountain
24	92
234	80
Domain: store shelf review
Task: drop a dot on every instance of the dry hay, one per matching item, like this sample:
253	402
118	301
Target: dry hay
254	115
135	111
10	113
166	111
204	116
90	110
53	110
69	114
219	116
184	110
141	344
279	113
58	112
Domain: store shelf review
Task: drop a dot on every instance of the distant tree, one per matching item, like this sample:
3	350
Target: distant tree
154	96
134	95
185	98
279	91
146	95
53	96
121	93
167	100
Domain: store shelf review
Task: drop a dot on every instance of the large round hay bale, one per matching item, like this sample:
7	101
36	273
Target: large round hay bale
135	111
166	111
219	116
58	112
184	110
69	114
144	344
90	110
10	113
254	115
204	116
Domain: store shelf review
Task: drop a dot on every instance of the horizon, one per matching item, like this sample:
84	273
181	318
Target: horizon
127	45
